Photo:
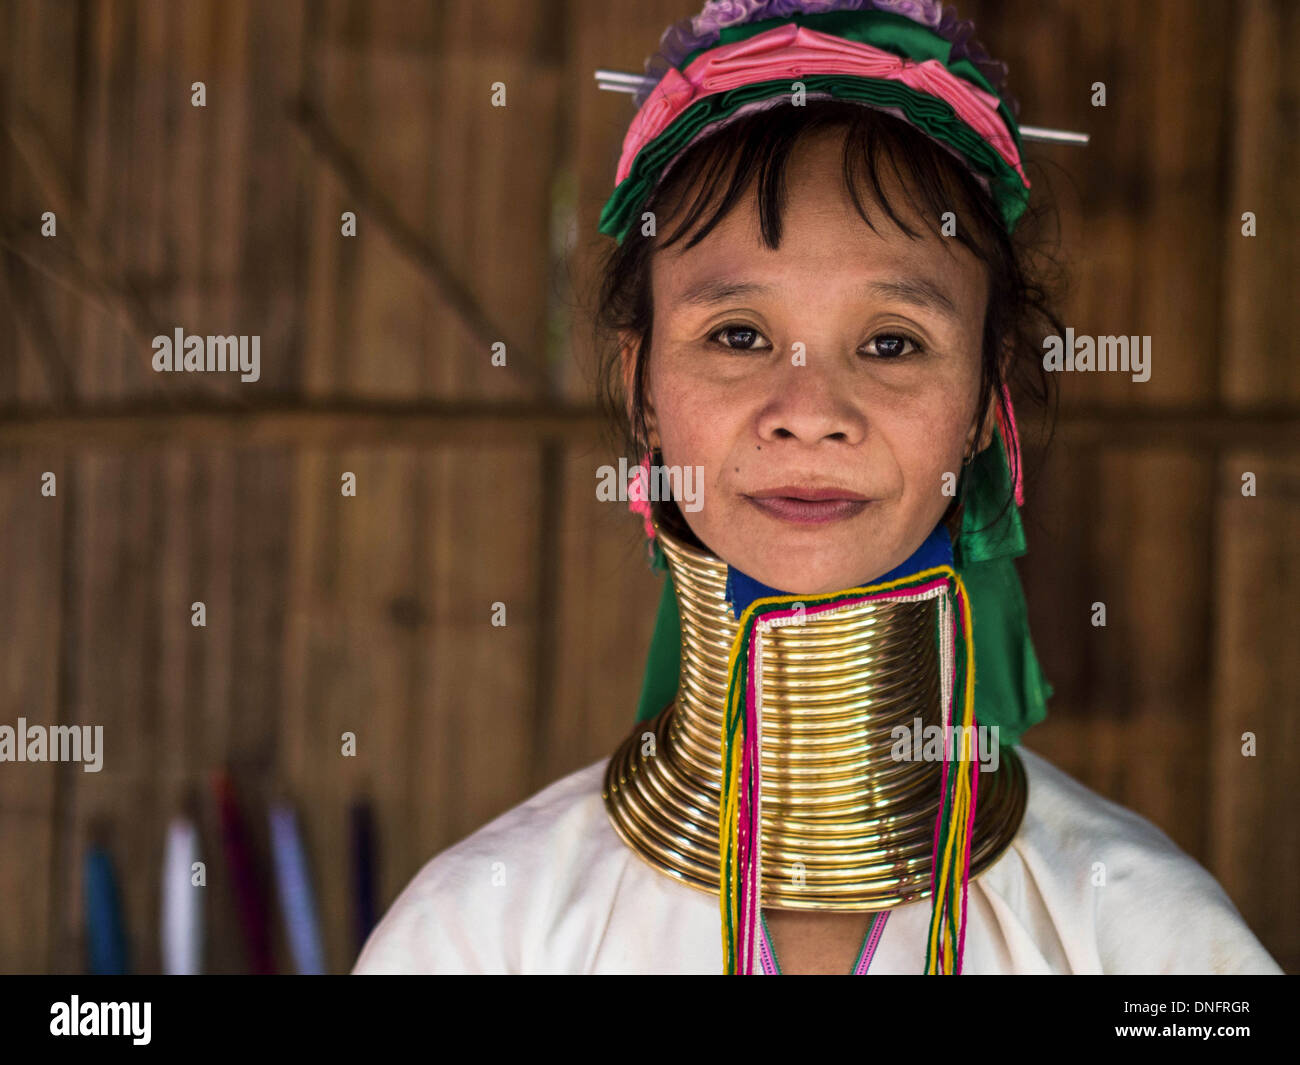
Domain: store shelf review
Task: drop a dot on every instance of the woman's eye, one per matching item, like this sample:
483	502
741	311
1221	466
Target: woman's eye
891	346
739	338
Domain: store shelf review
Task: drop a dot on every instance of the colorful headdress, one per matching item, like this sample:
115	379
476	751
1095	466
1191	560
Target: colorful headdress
916	61
905	57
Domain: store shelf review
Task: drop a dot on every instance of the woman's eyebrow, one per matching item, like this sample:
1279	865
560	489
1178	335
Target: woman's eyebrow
720	290
914	290
918	291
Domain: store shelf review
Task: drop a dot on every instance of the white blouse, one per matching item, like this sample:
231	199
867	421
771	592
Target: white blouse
1086	886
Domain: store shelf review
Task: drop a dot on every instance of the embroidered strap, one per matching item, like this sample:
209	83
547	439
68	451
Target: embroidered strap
771	967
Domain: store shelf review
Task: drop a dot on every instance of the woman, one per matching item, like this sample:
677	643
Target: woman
820	308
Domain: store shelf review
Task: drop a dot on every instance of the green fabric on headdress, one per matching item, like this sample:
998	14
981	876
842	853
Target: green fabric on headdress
931	115
1010	689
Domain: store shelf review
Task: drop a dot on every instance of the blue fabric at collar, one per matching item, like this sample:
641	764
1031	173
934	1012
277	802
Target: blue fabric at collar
936	550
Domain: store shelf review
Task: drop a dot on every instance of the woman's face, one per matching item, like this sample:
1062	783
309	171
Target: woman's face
824	389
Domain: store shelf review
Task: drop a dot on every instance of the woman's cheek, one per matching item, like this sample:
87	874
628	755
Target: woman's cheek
926	451
693	425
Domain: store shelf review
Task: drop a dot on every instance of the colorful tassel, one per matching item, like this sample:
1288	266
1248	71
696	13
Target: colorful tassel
1011	443
638	495
740	812
954	824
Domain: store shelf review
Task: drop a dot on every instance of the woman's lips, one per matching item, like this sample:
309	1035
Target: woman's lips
809	507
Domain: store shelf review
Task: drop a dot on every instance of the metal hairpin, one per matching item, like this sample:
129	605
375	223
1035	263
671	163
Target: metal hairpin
619	81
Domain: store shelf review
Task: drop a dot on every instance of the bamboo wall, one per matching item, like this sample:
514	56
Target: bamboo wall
372	614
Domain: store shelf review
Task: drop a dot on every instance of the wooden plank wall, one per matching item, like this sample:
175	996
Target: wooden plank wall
373	614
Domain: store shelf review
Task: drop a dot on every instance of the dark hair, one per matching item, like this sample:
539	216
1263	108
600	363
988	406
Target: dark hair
722	166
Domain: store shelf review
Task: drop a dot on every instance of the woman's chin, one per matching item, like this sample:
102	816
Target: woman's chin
797	564
804	579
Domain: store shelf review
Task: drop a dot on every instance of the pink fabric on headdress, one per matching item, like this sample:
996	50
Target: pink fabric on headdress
776	101
793	51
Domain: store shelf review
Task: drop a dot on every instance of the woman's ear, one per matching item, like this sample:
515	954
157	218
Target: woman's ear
991	414
629	344
990	425
627	362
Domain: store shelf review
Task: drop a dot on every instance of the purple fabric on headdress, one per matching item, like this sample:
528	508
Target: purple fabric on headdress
702	31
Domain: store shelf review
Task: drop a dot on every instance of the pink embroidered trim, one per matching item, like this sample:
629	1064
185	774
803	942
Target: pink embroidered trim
749	825
793	51
873	940
765	952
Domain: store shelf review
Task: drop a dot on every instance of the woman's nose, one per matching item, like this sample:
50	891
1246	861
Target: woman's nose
812	400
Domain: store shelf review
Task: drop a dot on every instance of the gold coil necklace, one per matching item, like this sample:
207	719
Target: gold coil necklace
845	825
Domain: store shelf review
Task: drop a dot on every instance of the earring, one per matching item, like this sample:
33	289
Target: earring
638	497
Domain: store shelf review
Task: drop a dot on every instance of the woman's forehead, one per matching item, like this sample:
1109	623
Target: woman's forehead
821	227
825	245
